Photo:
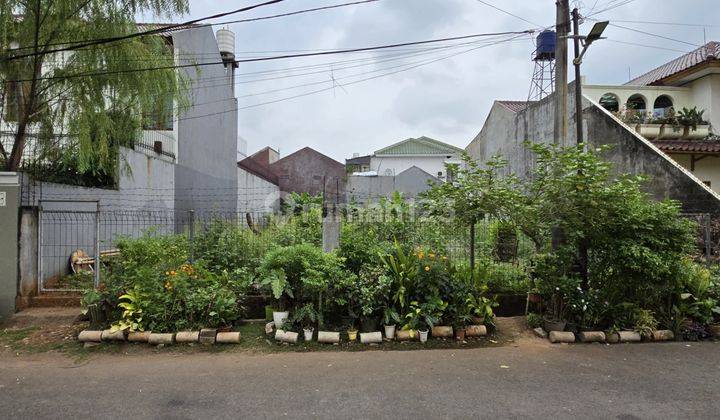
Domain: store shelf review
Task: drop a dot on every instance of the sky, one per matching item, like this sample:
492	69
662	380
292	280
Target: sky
444	93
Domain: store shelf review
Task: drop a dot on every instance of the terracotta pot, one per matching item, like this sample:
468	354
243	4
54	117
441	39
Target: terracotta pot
460	334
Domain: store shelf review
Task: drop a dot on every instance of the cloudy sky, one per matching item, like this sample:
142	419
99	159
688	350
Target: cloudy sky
441	93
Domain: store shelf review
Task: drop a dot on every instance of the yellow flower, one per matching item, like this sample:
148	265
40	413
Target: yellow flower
420	255
167	273
168	285
431	255
444	258
427	268
173	273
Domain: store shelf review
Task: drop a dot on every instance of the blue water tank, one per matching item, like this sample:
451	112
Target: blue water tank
546	42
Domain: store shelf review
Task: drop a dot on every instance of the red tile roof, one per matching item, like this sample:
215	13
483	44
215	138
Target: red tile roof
709	51
688	146
515	106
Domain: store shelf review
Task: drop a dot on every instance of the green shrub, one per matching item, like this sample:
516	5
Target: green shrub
230	246
534	320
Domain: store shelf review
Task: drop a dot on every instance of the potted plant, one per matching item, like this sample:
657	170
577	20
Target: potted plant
352	334
692	123
390	319
306	316
423	316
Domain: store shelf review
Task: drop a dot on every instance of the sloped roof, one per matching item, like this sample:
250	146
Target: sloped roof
306	152
256	168
419	146
360	160
688	146
708	52
515	106
414	172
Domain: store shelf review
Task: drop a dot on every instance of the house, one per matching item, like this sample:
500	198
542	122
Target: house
427	154
181	169
258	190
511	123
358	163
369	188
690	81
304	171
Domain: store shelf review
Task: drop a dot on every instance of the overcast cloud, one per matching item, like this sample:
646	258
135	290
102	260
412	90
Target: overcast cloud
448	99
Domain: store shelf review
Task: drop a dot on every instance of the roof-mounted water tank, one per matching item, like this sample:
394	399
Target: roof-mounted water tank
226	44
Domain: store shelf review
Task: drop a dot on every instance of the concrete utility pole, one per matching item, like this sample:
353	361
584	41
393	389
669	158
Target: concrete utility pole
561	76
578	77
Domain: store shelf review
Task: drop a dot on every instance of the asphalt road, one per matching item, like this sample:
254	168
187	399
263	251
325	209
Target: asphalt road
673	380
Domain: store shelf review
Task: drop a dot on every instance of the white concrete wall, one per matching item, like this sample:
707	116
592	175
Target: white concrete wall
255	194
705	94
706	169
398	164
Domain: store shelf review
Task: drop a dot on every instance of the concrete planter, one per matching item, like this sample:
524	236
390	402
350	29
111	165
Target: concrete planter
110	335
553	325
389	332
187	337
232	337
371	337
328	337
158	338
286	336
279	318
139	336
663	335
592	337
629	337
561	337
88	336
612	337
476	331
699	134
442	332
460	334
650	131
405	335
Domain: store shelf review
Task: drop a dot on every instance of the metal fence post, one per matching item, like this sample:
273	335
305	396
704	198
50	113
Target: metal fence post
191	234
708	240
39	249
97	247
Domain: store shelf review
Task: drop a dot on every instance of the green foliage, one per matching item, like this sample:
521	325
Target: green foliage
229	246
305	228
101	112
690	117
534	320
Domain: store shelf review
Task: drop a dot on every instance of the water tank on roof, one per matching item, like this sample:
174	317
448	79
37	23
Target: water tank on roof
546	42
226	43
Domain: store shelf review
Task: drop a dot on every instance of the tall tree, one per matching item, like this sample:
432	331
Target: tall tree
47	99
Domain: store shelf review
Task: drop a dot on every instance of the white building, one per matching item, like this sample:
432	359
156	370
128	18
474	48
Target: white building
424	153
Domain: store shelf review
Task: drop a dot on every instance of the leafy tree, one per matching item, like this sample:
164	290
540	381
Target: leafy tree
46	97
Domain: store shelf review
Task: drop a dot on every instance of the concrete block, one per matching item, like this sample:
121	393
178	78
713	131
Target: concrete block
207	336
187	337
629	337
90	336
159	338
592	337
561	337
540	332
328	337
109	335
663	335
371	337
139	336
405	335
475	331
612	338
442	332
286	336
232	337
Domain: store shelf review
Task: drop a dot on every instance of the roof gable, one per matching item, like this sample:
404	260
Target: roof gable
415	172
419	146
706	53
307	152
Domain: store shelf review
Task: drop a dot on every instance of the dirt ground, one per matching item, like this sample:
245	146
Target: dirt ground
54	330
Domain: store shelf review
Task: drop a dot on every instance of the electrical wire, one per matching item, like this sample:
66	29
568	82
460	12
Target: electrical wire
509	13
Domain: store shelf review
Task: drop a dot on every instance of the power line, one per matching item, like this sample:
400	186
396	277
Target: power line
164	29
282	57
646	46
654	35
509	13
650	22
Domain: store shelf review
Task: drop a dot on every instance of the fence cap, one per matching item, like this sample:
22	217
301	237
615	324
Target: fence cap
9	178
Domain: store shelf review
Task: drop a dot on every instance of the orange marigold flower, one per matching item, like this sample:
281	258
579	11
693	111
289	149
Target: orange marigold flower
173	273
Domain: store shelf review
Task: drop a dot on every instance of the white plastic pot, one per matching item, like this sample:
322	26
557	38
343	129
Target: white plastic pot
308	333
279	318
389	332
423	335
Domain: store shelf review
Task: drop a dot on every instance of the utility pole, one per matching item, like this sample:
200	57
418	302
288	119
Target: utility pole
561	77
578	77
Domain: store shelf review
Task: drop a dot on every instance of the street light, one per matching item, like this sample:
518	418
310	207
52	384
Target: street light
594	35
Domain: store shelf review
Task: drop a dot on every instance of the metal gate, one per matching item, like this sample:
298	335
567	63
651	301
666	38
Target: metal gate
68	243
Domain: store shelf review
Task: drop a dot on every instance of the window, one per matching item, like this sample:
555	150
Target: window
610	102
663	105
637	103
160	117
